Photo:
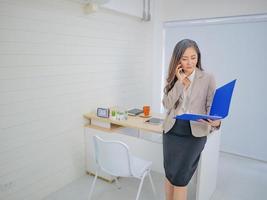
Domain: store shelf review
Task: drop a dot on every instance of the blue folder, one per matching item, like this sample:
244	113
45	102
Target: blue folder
220	104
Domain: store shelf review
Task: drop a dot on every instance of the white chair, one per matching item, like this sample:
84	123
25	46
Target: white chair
114	158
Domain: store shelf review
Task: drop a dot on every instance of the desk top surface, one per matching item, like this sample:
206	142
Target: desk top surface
132	122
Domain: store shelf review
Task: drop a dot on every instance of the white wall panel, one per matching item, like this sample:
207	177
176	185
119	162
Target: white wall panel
56	63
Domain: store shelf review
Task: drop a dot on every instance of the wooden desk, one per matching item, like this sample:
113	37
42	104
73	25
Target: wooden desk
145	140
132	122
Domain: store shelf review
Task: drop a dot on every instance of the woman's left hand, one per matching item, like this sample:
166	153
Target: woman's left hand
214	123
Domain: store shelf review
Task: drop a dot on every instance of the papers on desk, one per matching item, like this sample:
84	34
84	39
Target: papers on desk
154	121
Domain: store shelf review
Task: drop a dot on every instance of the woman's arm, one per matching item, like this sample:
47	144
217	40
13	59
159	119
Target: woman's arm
173	95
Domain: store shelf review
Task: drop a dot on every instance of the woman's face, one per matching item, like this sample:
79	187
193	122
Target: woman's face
189	60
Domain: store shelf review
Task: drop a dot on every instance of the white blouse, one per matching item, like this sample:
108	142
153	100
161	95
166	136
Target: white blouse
186	95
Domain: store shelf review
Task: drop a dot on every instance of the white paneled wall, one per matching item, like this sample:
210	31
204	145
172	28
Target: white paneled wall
57	63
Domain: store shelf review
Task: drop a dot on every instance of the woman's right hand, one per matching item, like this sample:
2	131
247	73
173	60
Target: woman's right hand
182	77
179	73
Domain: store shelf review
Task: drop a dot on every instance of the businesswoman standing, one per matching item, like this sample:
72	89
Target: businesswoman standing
188	90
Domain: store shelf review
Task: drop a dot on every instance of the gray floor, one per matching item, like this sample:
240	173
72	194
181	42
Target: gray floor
238	179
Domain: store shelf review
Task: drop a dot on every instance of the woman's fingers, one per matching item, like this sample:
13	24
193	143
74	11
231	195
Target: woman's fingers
210	122
203	121
179	67
178	73
179	70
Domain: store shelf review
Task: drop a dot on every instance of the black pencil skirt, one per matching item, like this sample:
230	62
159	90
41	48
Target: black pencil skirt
181	152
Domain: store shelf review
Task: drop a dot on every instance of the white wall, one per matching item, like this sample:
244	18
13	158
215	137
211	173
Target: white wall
130	7
157	76
191	9
56	64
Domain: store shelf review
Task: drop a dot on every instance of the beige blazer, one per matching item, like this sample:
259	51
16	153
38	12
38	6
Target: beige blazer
203	89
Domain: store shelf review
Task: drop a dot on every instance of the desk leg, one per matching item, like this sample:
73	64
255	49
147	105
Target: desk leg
208	167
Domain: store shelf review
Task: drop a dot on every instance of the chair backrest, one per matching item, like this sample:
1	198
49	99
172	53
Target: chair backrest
112	156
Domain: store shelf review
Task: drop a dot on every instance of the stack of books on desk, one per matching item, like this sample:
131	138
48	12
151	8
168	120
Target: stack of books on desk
135	112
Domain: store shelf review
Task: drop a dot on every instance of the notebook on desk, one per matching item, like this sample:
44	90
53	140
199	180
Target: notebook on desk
154	121
135	111
220	104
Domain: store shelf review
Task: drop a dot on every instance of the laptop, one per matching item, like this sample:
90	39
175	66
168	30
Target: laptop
220	104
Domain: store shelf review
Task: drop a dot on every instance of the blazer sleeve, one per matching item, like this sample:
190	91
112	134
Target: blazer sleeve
173	95
211	91
210	94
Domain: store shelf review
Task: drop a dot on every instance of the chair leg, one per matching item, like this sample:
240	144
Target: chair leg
93	186
152	184
117	183
140	185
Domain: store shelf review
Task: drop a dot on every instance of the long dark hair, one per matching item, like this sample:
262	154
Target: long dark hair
178	52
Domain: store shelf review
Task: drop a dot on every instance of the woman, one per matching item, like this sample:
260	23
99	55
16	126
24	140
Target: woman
188	90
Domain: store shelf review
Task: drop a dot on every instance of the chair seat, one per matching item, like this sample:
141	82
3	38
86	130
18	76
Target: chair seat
139	166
